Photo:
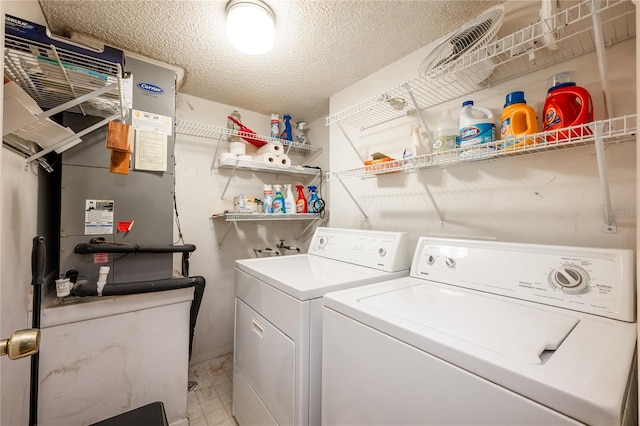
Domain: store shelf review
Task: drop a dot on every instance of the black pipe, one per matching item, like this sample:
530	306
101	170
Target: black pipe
37	279
88	248
120	289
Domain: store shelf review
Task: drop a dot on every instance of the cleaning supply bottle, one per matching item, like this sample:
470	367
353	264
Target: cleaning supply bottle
275	126
286	133
447	134
289	201
476	125
301	202
314	201
518	119
278	201
416	144
566	105
233	126
267	198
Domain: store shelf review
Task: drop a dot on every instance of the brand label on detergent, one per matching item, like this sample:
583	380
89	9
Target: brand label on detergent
551	118
477	134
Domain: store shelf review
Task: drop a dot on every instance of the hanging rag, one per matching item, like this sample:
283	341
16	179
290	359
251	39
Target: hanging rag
119	141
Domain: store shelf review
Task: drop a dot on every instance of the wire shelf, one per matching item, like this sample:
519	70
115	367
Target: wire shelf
512	56
54	76
250	217
262	167
620	129
207	131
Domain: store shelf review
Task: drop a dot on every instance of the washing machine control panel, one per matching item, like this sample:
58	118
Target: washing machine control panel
598	281
387	251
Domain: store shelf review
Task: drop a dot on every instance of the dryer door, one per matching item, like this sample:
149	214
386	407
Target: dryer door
265	357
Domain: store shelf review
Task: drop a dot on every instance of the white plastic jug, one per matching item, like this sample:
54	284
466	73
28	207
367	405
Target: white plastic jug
446	133
477	125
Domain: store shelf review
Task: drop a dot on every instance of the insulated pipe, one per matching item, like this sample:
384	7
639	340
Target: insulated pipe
88	248
91	289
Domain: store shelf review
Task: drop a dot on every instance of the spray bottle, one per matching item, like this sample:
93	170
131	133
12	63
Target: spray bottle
314	201
287	134
275	126
301	202
267	197
278	200
416	143
289	201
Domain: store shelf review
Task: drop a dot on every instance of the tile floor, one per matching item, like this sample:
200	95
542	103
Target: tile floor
209	404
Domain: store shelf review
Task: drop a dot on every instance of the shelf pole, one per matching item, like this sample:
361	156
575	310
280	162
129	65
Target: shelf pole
66	76
433	200
67	105
350	141
418	111
354	200
233	173
73	137
598	37
609	221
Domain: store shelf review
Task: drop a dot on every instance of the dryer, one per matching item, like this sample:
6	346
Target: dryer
278	319
486	333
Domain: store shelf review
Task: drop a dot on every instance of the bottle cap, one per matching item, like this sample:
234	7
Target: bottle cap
515	98
562	79
465	103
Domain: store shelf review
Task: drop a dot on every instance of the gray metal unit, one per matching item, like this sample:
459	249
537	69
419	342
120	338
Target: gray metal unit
142	196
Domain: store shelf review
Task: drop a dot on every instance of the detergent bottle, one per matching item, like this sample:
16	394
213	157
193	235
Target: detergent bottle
566	105
476	125
314	201
267	198
301	202
446	135
289	201
287	134
518	119
278	200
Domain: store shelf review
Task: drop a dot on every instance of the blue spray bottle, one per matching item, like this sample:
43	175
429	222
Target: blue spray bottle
314	202
287	134
278	201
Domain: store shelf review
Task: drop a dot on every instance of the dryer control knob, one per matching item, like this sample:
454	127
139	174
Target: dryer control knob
431	259
451	262
382	251
569	279
322	241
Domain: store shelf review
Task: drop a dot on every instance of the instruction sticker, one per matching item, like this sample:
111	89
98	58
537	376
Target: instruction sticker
98	217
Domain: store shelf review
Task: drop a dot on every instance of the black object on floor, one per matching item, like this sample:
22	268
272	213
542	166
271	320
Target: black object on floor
148	415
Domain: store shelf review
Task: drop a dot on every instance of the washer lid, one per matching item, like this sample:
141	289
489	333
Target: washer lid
521	332
308	277
495	337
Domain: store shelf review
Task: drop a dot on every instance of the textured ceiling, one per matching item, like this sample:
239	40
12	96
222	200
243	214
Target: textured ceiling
322	46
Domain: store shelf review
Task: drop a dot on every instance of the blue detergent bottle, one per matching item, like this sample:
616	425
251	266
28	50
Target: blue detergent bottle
287	134
278	201
314	202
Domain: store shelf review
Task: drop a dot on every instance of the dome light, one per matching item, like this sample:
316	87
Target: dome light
250	26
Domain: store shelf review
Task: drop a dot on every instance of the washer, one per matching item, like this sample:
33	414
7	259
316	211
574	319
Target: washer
278	319
486	333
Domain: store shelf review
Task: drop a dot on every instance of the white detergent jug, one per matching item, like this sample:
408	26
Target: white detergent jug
477	125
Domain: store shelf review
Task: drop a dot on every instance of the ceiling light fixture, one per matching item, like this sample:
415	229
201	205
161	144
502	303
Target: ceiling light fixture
250	26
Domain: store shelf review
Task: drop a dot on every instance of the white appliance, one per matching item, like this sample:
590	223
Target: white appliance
486	333
278	325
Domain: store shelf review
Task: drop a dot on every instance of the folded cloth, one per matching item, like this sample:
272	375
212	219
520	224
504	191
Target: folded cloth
120	162
119	136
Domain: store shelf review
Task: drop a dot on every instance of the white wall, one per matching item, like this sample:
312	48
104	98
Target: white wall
198	192
18	202
550	198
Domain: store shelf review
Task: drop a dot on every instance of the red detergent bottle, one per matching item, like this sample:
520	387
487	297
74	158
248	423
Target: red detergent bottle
566	105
